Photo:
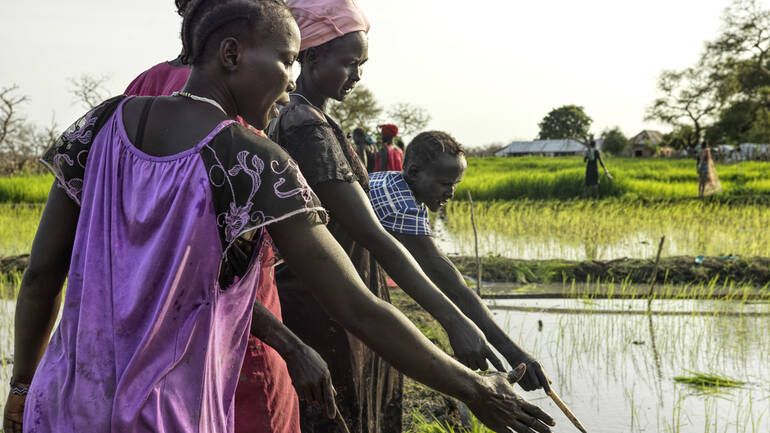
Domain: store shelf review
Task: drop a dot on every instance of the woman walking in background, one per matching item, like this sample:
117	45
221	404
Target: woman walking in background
708	181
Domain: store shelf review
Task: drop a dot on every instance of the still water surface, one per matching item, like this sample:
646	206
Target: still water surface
616	370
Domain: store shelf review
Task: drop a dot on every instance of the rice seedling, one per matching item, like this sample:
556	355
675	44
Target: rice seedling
708	381
609	229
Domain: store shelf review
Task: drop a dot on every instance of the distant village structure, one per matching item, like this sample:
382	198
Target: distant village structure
646	144
565	147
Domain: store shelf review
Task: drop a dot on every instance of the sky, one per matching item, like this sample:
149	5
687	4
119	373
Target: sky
487	71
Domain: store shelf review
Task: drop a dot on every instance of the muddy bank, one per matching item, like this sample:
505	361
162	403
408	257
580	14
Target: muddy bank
672	270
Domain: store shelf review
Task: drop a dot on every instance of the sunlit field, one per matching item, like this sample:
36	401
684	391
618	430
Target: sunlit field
607	229
562	178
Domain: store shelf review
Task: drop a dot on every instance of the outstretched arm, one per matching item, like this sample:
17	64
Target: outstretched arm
40	295
348	203
316	258
309	372
443	273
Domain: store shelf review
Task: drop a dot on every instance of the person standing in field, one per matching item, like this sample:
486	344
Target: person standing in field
150	195
592	159
708	181
389	157
434	164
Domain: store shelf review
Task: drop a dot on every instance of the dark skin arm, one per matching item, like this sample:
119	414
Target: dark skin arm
309	372
40	295
350	206
443	273
315	256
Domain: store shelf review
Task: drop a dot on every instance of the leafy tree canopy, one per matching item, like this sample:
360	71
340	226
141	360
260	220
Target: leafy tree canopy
358	110
615	142
568	121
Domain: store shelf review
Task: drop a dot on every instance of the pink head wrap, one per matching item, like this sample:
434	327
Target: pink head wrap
320	21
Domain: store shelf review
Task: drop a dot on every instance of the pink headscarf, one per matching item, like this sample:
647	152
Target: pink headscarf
320	21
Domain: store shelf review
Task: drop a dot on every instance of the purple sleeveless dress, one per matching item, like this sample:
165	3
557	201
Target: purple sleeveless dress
152	337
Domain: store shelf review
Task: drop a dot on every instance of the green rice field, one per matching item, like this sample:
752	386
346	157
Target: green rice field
607	229
541	178
674	364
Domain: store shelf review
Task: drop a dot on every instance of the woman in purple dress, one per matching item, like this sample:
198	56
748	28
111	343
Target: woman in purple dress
150	195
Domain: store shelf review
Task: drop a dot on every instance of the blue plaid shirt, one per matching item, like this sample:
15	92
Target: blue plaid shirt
395	205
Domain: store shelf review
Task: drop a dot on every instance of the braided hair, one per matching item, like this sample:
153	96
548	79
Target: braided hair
203	17
426	146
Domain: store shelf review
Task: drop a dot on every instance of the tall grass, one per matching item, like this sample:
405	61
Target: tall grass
25	189
18	224
542	178
608	229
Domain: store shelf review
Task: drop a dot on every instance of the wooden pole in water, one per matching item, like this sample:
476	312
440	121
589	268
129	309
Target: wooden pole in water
476	240
655	271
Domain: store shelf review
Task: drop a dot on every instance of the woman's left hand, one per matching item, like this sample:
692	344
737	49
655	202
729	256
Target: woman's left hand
14	413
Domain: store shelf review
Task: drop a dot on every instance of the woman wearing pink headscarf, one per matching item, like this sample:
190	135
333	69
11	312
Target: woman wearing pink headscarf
333	49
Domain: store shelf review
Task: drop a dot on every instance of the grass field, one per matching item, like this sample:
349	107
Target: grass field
540	178
609	229
25	189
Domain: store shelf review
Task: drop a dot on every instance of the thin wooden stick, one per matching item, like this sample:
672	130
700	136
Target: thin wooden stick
341	421
655	272
565	409
512	378
476	240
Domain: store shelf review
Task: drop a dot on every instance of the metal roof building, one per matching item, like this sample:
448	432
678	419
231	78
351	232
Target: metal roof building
545	147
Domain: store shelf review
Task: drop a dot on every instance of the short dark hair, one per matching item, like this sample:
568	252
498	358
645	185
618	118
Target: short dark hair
427	145
203	17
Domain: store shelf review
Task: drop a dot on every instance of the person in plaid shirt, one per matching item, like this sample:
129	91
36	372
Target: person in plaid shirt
434	163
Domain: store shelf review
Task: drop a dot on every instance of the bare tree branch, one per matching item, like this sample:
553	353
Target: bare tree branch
89	90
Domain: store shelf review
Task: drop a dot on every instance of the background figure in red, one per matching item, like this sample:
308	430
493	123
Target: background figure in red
389	157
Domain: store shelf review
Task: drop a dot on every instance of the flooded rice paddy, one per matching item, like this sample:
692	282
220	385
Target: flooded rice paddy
614	363
605	230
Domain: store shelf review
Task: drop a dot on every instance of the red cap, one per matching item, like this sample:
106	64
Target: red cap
389	129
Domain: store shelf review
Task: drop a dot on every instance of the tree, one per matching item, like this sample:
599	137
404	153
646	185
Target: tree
359	109
568	121
680	137
20	141
614	141
409	118
89	90
688	99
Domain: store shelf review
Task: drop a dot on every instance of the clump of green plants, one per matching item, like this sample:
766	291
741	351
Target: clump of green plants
420	424
707	382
